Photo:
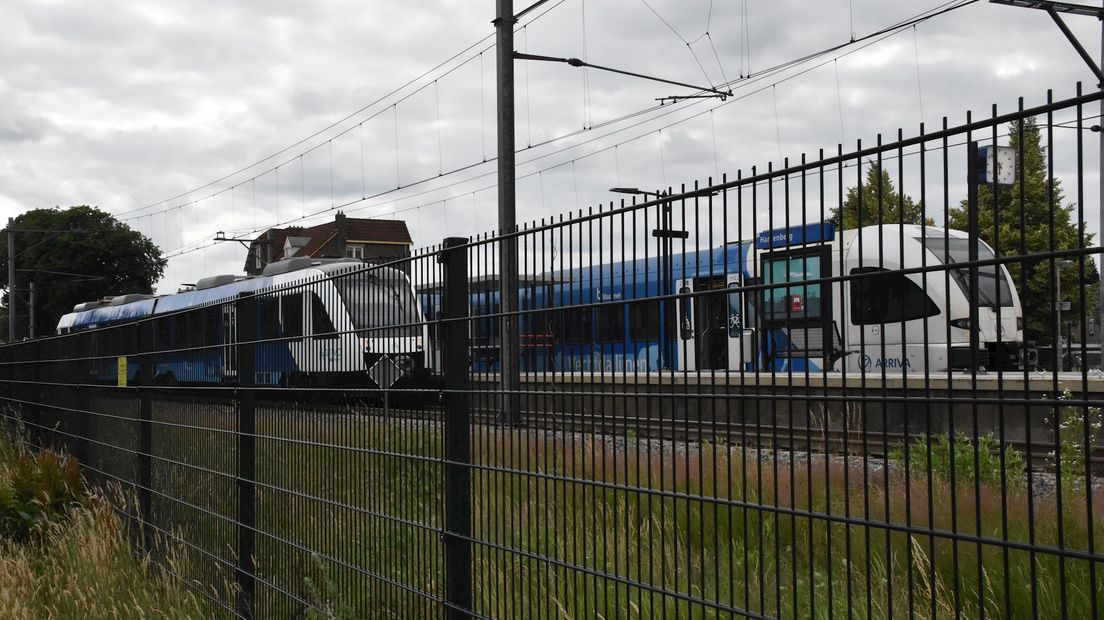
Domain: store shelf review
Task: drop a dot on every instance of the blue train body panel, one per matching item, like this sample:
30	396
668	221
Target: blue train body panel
594	318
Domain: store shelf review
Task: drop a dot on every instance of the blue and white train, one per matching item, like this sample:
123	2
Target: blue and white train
803	299
319	322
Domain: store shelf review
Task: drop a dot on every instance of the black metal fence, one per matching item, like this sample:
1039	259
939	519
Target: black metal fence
811	391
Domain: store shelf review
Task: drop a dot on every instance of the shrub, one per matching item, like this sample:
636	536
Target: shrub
964	459
39	487
1078	431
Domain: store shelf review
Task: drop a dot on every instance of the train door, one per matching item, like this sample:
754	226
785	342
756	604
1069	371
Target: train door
742	329
796	316
685	345
704	323
229	340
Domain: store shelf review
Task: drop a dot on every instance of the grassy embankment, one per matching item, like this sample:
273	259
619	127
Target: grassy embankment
63	551
349	506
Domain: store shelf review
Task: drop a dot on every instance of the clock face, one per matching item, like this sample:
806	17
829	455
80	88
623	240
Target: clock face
1006	165
1000	165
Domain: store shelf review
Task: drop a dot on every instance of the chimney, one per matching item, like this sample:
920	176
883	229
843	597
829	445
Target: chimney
342	233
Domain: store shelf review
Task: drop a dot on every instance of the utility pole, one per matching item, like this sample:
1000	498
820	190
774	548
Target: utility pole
11	280
509	343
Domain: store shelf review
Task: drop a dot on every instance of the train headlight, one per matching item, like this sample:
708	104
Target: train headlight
1020	324
367	342
418	343
960	323
406	364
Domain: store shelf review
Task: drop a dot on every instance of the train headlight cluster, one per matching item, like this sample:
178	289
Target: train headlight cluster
960	323
406	364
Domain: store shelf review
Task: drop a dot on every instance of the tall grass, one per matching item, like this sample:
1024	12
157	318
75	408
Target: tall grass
64	552
350	513
349	521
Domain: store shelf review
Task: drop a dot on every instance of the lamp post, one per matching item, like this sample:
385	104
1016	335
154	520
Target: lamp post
664	233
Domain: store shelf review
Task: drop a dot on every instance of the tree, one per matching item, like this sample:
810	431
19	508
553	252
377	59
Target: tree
1029	240
887	212
75	255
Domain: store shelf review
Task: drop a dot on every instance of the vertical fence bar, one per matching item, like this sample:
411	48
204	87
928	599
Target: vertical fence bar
455	355
246	332
145	429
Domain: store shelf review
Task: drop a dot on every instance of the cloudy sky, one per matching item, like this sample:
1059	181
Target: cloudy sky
188	118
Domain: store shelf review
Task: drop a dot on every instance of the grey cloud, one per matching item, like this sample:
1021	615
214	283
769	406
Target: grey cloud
20	124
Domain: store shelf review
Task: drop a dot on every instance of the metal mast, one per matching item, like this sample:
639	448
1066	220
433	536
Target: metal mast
509	343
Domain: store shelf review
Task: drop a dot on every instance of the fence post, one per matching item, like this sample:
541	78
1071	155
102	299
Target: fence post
974	168
245	312
455	361
144	339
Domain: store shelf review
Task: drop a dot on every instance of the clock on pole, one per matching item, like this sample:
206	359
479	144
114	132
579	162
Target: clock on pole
1000	165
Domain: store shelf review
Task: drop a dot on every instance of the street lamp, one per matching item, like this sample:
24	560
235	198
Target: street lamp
665	234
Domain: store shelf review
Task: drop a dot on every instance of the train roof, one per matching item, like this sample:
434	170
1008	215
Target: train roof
291	272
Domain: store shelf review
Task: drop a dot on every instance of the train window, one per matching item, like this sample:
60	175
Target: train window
212	325
993	286
611	323
195	327
269	308
795	300
887	297
291	314
321	324
164	332
644	320
578	323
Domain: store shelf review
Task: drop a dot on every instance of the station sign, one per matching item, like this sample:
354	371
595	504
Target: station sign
819	232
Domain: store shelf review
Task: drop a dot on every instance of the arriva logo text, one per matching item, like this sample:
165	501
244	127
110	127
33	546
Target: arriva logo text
884	362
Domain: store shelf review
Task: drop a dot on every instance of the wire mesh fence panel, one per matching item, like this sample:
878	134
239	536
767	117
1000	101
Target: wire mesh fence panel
862	383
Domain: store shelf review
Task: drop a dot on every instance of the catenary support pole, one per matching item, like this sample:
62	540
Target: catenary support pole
1100	187
509	343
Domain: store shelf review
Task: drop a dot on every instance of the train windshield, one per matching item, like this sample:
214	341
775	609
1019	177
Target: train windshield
381	307
993	287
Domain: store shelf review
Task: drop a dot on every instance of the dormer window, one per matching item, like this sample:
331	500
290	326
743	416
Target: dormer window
354	250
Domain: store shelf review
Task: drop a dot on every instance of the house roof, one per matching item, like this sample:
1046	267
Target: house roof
383	231
357	229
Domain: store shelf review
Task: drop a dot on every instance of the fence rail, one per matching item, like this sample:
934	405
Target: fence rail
806	391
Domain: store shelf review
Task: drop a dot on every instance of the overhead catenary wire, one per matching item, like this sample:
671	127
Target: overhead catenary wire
395	210
866	40
350	116
690	44
747	80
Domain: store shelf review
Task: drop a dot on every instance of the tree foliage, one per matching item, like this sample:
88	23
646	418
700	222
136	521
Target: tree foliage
1022	228
878	203
75	255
